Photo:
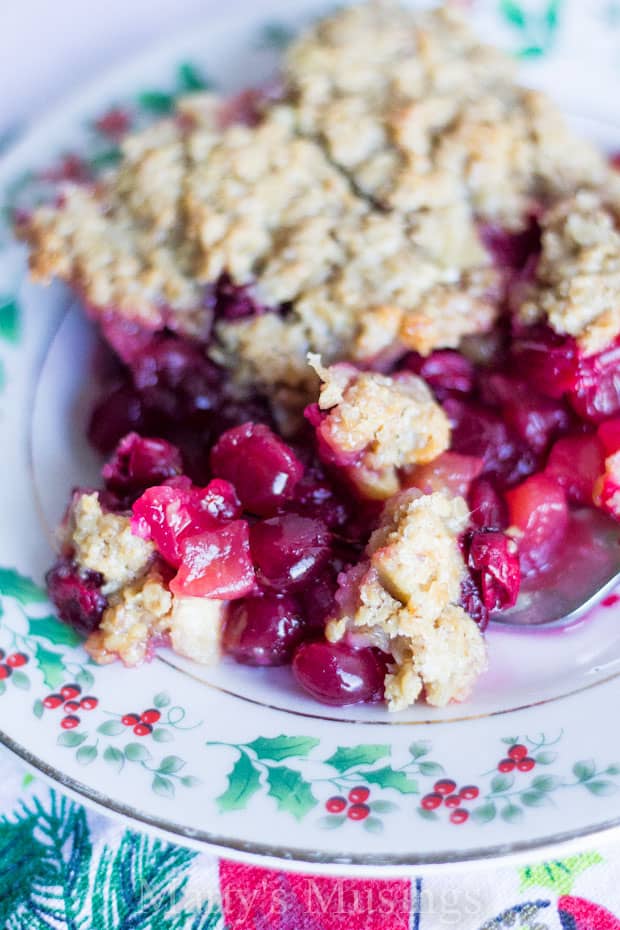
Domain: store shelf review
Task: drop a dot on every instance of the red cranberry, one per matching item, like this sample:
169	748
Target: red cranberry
535	419
89	702
506	765
69	692
5	671
545	359
609	435
263	469
512	250
142	729
72	706
443	371
453	800
469	792
117	413
517	752
263	630
337	674
492	557
216	563
175	379
150	716
359	795
472	602
232	301
460	815
595	395
431	801
451	471
575	462
288	550
76	593
69	723
444	786
486	505
335	805
52	701
114	124
130	720
139	463
526	765
358	812
17	659
538	508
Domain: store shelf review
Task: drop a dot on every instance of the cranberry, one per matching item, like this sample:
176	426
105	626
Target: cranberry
609	435
17	659
506	765
69	723
150	716
460	815
72	706
52	701
471	601
175	379
575	462
526	765
130	720
118	412
142	729
359	794
335	805
114	124
453	800
517	752
288	550
69	692
443	371
337	674
535	419
216	564
431	801
89	702
263	630
545	359
469	792
139	463
444	786
595	395
76	593
492	557
487	507
358	812
538	508
263	469
232	301
451	471
509	249
5	671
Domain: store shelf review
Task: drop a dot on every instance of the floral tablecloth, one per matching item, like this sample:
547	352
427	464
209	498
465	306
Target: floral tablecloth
65	868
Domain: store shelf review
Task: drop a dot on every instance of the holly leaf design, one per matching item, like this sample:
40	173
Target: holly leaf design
9	319
243	782
191	80
161	700
331	821
373	825
533	798
546	783
388	777
277	748
160	735
427	815
169	765
156	101
348	757
545	758
292	792
20	680
114	757
419	749
601	787
558	875
513	14
430	768
51	666
512	813
22	588
51	629
71	738
134	752
485	813
584	770
86	754
162	786
110	728
501	783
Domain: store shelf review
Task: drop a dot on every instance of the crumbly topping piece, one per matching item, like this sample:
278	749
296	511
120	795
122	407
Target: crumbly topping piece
403	598
136	613
387	422
421	114
103	542
196	628
577	281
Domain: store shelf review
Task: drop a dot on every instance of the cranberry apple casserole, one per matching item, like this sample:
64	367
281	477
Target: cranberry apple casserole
366	343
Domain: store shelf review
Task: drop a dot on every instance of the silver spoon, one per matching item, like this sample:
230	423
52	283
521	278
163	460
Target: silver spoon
588	569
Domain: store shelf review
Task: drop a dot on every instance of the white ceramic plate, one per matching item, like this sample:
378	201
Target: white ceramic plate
238	758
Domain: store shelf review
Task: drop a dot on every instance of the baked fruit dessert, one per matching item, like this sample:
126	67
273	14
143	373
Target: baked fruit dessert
366	363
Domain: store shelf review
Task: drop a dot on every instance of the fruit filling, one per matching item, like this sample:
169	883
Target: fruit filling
363	364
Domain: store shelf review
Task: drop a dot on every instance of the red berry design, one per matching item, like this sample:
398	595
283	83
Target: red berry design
517	752
71	706
142	729
469	792
526	765
358	795
2	654
358	812
69	692
445	786
130	720
460	815
453	800
5	671
150	716
89	702
431	801
16	659
52	701
69	723
335	805
506	765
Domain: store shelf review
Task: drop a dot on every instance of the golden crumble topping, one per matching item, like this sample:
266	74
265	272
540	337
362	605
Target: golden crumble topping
403	598
196	628
390	422
577	281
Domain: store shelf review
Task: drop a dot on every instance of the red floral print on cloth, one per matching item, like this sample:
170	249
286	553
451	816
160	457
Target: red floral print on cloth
265	899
